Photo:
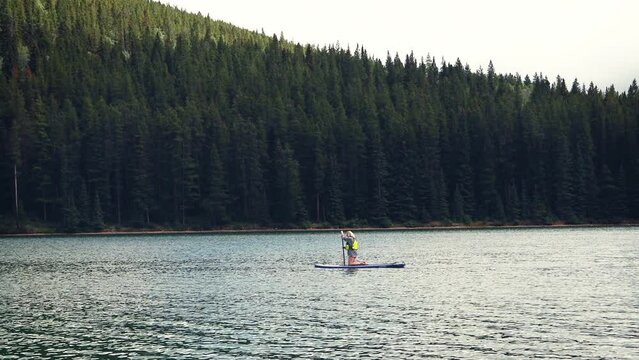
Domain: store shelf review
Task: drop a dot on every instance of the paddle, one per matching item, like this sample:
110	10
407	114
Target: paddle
343	256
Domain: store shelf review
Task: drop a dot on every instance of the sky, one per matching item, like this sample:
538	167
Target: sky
593	41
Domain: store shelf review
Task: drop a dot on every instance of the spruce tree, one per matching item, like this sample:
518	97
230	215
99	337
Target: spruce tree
43	149
457	206
84	207
97	216
218	198
609	196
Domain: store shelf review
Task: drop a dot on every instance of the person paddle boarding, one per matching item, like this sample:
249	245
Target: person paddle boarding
351	246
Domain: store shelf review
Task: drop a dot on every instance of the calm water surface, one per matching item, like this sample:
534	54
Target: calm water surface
552	293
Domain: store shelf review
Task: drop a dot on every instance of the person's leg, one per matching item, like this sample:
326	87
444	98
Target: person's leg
352	260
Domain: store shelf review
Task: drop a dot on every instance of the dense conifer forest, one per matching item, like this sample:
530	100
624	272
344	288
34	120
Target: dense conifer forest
136	114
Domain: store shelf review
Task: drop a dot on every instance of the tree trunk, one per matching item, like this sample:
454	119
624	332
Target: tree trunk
15	187
118	201
317	207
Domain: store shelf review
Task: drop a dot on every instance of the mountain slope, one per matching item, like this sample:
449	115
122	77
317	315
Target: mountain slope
133	113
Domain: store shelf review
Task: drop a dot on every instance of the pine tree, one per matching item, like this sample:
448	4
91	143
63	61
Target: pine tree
97	217
620	209
288	206
401	200
68	150
512	204
488	197
300	214
138	181
609	196
91	153
378	208
457	206
84	207
319	179
633	190
248	171
563	186
70	216
218	198
41	169
440	208
334	206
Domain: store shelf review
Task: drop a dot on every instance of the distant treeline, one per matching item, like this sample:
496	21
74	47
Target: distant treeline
134	113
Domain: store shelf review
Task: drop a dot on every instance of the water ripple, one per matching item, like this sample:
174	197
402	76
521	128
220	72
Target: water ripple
466	294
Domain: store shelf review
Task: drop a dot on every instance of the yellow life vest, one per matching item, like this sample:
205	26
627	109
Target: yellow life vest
347	247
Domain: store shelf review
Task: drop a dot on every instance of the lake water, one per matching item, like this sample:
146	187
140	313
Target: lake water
525	293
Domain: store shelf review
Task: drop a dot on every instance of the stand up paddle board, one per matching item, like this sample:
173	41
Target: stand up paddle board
367	266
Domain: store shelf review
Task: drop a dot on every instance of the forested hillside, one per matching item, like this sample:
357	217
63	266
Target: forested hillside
133	113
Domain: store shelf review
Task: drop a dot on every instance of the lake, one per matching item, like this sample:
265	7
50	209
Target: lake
520	293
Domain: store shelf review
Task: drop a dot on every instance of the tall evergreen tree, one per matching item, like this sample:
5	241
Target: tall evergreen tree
130	112
288	205
218	198
44	156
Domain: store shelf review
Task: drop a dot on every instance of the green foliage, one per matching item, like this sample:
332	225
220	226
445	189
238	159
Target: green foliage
217	201
136	113
97	216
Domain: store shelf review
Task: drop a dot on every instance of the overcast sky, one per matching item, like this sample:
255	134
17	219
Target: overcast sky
594	41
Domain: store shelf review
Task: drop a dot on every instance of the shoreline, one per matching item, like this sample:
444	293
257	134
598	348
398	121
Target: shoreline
453	227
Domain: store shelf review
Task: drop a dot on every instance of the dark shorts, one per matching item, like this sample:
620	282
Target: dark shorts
352	252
